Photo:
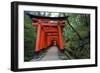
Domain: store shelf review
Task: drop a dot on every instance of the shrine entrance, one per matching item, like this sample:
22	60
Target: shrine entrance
49	31
54	42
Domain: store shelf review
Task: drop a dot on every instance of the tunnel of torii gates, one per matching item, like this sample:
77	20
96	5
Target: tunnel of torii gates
48	31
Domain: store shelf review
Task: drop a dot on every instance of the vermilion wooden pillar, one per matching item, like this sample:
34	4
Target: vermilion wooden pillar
37	48
60	38
42	39
48	41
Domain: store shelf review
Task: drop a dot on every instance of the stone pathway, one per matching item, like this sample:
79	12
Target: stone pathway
52	54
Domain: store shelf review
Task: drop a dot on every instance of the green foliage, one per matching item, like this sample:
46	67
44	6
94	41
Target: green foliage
29	38
76	48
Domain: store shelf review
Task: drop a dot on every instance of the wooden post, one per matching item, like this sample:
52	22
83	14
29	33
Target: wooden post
60	38
37	48
42	40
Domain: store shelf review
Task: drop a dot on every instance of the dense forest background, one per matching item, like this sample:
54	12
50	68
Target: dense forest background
76	34
29	38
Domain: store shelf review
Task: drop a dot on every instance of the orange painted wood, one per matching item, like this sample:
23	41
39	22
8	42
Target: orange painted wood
60	38
41	39
36	24
48	33
38	38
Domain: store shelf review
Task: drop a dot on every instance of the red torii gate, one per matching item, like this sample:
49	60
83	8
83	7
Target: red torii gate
49	31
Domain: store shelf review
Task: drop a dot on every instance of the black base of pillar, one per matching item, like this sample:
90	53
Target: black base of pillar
36	55
61	54
42	49
62	50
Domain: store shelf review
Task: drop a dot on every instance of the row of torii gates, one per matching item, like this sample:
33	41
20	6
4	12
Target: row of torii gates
49	31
